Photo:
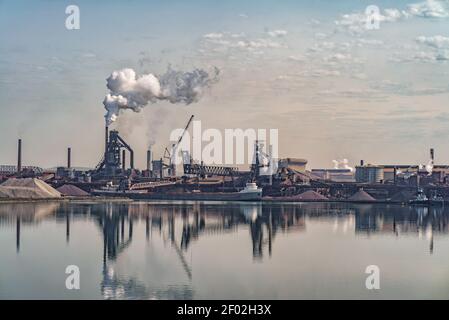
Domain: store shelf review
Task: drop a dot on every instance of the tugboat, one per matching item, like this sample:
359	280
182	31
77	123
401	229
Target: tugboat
436	199
420	199
112	190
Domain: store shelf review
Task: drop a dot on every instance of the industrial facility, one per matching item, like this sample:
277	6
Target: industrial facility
288	179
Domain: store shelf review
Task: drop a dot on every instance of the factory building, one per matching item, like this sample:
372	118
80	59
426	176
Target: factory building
335	175
394	173
369	173
296	164
11	169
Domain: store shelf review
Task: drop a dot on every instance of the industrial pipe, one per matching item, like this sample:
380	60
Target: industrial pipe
123	160
131	160
131	152
148	160
106	137
19	156
69	158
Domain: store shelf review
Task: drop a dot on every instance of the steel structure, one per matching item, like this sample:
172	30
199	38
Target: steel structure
203	170
112	163
169	155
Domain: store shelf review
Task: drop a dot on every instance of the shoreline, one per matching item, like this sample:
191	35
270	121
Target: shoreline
64	199
125	199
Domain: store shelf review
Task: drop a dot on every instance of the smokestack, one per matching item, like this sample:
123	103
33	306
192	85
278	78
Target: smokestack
69	158
131	159
362	163
124	160
432	154
19	156
395	173
106	139
148	159
161	170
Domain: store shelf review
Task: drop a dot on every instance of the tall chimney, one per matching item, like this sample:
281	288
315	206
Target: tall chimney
106	139
131	159
19	156
395	173
148	159
69	158
123	160
161	169
432	154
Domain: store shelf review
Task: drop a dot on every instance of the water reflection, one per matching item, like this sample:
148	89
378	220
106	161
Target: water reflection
180	225
423	222
264	222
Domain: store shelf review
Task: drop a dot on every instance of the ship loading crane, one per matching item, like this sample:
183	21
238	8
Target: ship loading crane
169	155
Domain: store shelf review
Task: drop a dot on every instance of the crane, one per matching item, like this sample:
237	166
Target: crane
168	155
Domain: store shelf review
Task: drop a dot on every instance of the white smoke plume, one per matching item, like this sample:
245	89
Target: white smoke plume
429	167
342	164
130	91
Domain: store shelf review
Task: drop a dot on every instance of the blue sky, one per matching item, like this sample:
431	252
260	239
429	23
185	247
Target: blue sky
333	88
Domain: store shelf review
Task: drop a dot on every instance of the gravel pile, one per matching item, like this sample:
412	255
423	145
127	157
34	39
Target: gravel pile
27	188
361	196
311	195
72	191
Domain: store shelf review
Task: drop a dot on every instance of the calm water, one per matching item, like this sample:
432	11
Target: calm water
169	250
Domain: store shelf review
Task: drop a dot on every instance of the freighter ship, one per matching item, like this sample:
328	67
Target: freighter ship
251	192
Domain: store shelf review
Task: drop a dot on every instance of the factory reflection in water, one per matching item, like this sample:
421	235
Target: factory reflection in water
181	224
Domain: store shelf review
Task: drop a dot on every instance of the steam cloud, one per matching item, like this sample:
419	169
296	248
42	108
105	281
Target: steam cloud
129	91
342	164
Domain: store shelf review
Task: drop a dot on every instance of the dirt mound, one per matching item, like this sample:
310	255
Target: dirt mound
403	196
27	188
361	196
72	191
308	195
311	195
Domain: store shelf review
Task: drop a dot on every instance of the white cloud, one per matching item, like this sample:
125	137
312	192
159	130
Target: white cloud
322	46
298	58
406	88
337	57
373	42
442	56
434	41
217	43
314	22
277	33
258	43
392	15
320	36
356	22
430	9
213	36
238	35
89	55
319	73
423	56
